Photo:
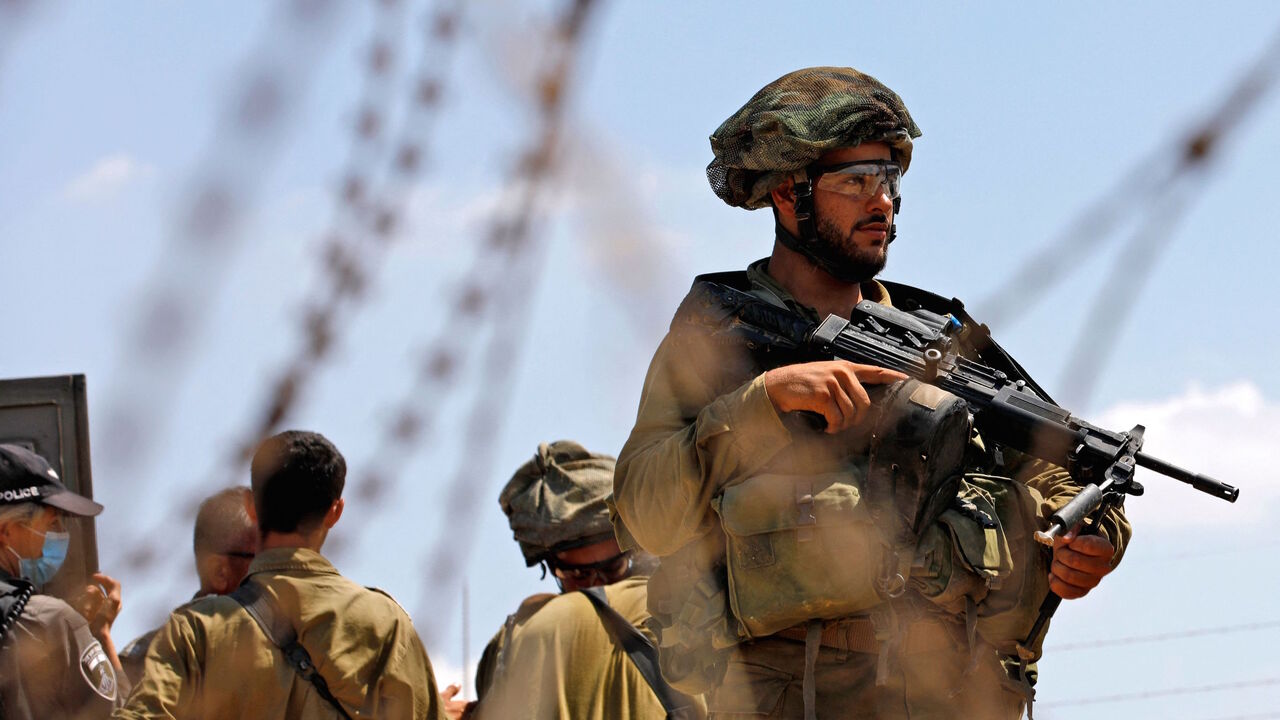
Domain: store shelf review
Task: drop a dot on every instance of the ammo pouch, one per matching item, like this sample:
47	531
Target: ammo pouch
831	545
982	551
798	548
1011	605
689	608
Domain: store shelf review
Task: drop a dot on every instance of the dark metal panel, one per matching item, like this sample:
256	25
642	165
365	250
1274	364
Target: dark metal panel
49	415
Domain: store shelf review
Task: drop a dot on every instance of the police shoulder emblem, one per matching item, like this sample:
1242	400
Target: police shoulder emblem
97	671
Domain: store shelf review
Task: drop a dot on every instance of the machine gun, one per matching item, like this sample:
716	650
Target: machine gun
923	345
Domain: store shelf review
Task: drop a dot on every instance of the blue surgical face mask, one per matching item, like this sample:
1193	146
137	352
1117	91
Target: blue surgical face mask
39	571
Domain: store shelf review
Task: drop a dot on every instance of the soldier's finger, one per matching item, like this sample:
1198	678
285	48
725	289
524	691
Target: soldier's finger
876	375
840	397
450	691
1095	564
857	394
1065	590
110	586
1095	545
1070	575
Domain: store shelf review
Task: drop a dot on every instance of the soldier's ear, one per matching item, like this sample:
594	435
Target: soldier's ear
335	512
784	198
250	509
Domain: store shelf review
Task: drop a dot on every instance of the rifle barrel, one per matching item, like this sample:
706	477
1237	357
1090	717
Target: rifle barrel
1203	483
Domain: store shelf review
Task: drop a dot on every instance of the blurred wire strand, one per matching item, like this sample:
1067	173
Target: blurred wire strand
1162	637
1162	693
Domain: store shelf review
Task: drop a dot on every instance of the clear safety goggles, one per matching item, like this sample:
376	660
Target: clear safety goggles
862	178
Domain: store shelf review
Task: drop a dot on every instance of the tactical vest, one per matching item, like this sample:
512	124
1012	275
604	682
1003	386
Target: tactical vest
896	524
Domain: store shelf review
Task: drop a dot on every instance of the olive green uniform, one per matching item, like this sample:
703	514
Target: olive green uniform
211	660
52	667
555	659
134	655
706	426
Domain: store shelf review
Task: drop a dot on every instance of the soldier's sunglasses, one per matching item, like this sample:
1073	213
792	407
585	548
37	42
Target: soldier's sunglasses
239	554
862	178
610	569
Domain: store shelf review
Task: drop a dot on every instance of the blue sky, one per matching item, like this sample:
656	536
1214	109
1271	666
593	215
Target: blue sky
109	114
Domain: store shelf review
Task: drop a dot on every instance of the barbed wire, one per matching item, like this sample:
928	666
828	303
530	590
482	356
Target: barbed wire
490	274
1142	186
491	294
1133	267
204	234
1163	637
351	252
1165	692
368	202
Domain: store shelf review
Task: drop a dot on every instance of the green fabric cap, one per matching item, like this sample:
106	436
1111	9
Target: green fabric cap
556	501
794	120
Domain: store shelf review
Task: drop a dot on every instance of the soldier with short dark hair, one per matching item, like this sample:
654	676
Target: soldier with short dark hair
795	579
225	542
54	663
353	651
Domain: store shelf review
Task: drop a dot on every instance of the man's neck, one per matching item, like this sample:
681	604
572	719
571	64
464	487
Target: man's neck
810	285
309	540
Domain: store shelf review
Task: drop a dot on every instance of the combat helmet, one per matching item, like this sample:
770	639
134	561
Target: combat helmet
556	501
787	125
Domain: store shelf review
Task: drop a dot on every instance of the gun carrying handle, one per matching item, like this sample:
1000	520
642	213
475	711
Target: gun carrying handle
1073	513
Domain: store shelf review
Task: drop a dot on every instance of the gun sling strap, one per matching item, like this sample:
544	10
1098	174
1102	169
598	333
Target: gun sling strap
643	655
280	631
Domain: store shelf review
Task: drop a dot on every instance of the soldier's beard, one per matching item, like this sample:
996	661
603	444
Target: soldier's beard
851	263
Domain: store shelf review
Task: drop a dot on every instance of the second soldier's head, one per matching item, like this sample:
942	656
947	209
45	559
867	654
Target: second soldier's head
226	540
557	507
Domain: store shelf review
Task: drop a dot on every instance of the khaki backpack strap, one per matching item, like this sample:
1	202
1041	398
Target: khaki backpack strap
642	654
280	631
809	686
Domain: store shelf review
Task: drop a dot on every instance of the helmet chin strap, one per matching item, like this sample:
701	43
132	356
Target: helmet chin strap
807	242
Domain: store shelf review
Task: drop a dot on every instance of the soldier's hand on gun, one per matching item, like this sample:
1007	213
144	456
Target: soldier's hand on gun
1079	563
830	388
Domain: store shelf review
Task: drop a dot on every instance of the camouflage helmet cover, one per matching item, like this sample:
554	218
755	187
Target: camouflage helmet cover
793	120
556	501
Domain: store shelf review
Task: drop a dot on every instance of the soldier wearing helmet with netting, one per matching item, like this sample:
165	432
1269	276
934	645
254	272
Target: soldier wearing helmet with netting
835	541
582	653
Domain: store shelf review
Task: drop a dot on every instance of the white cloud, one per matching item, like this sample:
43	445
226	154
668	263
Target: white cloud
106	177
1231	433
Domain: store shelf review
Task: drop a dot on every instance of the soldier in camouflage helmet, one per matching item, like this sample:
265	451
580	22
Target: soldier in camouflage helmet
562	655
784	589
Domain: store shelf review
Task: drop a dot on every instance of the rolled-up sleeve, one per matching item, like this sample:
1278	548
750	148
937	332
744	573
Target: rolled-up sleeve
1057	487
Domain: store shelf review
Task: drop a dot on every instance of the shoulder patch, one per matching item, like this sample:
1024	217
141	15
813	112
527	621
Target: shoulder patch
97	671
